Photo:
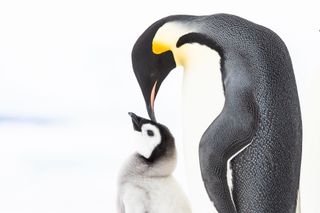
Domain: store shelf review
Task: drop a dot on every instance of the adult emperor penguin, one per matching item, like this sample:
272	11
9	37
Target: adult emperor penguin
257	125
146	183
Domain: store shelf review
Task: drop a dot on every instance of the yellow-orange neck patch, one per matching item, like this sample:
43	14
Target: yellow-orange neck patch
159	47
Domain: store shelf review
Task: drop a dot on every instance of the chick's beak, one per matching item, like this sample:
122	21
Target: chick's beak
136	121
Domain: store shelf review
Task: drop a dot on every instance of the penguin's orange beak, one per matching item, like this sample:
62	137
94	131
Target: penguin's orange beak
152	97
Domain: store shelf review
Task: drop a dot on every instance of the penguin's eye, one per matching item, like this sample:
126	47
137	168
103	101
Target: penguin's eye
150	133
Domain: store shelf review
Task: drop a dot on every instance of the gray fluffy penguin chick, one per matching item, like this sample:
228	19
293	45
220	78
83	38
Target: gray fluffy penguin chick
146	184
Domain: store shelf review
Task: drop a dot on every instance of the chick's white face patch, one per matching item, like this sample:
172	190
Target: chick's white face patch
147	140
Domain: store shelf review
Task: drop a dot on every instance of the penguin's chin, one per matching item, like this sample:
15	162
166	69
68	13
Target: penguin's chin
145	146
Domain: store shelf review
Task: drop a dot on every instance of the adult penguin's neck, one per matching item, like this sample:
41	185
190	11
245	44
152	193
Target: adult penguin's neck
202	88
203	100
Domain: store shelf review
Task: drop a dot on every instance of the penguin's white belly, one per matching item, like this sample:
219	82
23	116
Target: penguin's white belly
155	195
202	102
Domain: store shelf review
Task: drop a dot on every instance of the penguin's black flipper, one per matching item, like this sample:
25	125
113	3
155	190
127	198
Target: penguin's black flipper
231	131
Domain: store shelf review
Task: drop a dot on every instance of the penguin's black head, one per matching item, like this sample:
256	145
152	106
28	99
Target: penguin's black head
151	68
154	140
158	51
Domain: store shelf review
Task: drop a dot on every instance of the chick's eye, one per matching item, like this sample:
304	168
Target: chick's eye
150	133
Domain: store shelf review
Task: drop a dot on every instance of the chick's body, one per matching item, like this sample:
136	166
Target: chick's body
146	184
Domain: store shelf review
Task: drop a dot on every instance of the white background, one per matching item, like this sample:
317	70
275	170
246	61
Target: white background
66	85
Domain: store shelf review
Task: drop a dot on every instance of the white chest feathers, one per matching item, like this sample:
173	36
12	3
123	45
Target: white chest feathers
202	100
153	195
